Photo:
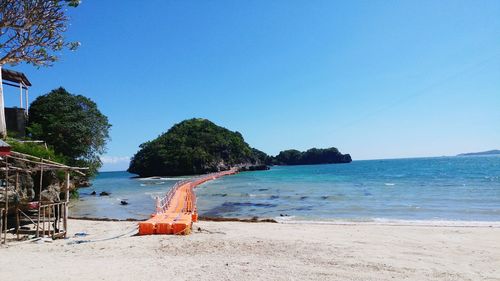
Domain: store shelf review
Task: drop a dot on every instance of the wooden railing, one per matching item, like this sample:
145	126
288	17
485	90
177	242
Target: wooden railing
164	202
52	220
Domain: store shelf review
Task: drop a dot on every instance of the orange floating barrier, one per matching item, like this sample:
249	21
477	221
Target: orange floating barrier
176	212
182	226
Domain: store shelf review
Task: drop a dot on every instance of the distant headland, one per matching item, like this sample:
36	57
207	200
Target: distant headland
482	153
198	146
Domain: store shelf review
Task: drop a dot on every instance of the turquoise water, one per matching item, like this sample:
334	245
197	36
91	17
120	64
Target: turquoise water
447	188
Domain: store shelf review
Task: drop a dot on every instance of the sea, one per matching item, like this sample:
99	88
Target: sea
417	189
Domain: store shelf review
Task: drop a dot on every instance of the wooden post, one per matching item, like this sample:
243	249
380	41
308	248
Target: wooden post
18	223
39	200
6	198
27	100
50	217
3	127
16	188
65	217
20	94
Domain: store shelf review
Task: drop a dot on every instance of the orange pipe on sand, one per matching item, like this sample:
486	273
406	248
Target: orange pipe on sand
179	212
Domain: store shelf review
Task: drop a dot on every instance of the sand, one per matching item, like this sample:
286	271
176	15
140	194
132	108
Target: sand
261	251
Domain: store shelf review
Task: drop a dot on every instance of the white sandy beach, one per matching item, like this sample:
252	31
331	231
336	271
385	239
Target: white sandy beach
265	251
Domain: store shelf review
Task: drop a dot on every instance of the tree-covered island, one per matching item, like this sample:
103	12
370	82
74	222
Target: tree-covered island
198	146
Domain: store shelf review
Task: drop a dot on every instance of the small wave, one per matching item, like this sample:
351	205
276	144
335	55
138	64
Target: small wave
389	184
387	221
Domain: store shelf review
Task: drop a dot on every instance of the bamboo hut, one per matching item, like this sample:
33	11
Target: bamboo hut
36	216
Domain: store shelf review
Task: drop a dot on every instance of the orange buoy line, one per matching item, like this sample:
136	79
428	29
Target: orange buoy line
176	211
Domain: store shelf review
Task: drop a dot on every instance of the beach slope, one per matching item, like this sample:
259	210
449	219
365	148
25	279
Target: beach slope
265	251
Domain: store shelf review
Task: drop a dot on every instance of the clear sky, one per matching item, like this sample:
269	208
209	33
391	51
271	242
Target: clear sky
377	79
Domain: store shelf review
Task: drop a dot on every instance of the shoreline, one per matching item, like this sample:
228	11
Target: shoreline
381	222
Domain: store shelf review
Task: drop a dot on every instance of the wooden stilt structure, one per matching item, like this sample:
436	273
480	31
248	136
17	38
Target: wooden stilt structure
48	218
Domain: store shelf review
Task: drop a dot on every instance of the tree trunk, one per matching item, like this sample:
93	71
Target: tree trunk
3	127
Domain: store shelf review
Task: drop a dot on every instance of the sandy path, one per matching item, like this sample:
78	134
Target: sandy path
250	251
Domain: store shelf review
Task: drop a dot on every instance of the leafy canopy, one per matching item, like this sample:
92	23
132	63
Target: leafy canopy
194	146
72	125
32	31
312	156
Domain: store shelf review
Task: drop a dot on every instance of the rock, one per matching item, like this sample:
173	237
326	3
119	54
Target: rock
93	193
123	202
50	195
104	193
259	167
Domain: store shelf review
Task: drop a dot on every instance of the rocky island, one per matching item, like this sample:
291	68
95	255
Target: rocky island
198	146
312	156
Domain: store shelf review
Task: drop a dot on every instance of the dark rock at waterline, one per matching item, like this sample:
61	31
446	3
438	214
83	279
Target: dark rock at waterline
104	193
220	194
253	168
93	193
123	202
233	207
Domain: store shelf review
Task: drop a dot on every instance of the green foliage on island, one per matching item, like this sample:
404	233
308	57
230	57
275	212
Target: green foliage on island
72	126
198	146
194	146
311	156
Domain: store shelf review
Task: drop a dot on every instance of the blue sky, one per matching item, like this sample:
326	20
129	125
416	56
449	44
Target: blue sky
377	79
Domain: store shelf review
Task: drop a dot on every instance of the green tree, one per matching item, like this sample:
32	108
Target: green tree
72	125
32	32
312	156
289	157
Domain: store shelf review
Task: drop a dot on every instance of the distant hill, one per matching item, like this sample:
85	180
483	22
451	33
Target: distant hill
194	146
489	152
312	156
